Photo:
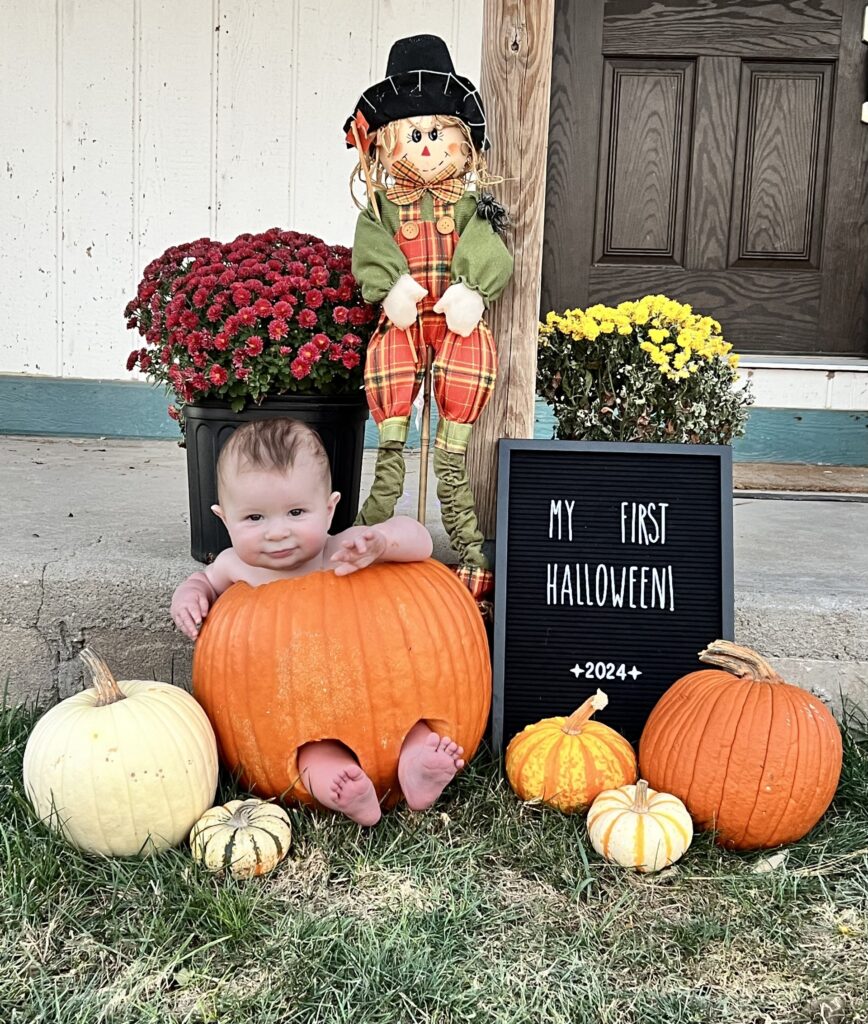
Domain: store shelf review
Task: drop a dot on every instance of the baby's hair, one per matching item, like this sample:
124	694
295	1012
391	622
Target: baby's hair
273	444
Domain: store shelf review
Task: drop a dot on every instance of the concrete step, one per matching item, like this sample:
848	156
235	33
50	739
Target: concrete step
95	538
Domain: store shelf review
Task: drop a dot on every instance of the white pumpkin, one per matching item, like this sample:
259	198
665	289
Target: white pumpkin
637	827
244	837
122	768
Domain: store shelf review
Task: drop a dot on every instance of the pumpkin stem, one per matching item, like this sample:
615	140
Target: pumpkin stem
640	798
740	661
105	684
241	816
574	724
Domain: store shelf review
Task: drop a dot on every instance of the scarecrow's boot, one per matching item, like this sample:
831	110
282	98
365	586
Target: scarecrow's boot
388	483
459	514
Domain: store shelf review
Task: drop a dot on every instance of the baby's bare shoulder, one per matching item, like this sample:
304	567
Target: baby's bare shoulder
226	569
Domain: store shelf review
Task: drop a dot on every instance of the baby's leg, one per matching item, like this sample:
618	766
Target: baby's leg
334	777
427	764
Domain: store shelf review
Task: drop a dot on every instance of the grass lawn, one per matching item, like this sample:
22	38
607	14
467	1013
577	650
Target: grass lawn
481	910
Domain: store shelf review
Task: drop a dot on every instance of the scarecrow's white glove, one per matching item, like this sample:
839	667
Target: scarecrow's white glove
400	304
462	307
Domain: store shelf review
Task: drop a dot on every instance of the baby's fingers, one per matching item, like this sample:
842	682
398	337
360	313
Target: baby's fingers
356	543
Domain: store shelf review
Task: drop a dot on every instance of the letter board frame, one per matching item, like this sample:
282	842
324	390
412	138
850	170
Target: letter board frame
532	476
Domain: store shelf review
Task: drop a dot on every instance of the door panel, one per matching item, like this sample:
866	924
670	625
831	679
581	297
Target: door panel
713	152
780	164
643	170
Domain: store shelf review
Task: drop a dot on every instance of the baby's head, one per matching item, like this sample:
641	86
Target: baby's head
274	493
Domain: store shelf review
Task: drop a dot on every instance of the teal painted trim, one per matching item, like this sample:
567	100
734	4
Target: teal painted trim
71	407
828	437
77	407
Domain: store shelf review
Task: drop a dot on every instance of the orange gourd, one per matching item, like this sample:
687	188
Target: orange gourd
566	762
358	658
751	756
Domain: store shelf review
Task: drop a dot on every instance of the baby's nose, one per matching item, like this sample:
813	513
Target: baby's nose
277	528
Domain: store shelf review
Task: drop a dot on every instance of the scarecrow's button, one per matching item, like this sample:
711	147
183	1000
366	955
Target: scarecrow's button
410	230
446	225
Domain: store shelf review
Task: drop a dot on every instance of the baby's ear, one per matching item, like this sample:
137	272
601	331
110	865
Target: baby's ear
219	513
334	498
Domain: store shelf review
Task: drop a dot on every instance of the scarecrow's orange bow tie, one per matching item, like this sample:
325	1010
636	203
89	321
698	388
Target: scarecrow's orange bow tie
410	186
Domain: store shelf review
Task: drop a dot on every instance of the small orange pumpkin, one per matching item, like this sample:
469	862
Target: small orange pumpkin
566	762
753	757
358	658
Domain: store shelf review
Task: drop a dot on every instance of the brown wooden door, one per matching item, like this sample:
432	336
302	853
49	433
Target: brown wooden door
713	150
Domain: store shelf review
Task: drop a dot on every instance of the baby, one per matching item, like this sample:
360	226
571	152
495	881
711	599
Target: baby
276	501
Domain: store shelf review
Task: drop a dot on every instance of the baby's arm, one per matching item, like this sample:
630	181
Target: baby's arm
194	597
401	539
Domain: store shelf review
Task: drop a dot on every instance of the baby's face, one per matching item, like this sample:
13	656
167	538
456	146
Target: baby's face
428	145
278	520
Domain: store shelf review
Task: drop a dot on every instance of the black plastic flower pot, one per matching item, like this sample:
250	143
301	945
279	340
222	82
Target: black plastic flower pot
339	420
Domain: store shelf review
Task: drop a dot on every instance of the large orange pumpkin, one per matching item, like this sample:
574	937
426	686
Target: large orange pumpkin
751	756
358	658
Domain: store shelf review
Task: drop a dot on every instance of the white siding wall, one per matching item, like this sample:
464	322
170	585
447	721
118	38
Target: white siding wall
127	126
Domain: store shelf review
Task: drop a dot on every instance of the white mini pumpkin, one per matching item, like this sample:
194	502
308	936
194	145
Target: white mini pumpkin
121	768
244	837
637	827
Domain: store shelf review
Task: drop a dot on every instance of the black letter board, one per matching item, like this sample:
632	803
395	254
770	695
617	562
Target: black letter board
614	569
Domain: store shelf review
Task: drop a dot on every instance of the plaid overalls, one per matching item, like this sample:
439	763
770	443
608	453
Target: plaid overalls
464	369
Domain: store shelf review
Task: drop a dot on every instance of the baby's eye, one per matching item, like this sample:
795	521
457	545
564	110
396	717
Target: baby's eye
296	511
254	517
434	134
416	135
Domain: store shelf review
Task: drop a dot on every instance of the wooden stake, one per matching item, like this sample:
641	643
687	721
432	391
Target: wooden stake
516	81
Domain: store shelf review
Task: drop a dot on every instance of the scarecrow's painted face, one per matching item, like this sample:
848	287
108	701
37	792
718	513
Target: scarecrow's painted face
427	143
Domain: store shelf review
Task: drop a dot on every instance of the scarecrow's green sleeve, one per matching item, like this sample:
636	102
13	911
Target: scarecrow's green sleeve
481	260
377	260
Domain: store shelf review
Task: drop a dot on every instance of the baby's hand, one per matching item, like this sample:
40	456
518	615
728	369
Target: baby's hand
359	551
189	607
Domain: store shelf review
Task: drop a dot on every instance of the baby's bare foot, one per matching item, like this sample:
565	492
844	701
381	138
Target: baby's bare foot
424	770
353	794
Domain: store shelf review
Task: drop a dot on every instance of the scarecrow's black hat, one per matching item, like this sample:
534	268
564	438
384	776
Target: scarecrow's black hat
420	79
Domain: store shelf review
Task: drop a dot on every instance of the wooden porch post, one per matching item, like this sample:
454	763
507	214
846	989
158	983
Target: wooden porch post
516	79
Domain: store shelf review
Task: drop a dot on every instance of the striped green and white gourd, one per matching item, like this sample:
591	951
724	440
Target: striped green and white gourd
637	827
244	837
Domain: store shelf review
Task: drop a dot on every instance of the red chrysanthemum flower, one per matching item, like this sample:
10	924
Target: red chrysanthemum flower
314	298
255	345
300	368
307	318
277	329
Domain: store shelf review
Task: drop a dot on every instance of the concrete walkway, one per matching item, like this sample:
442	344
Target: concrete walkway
95	538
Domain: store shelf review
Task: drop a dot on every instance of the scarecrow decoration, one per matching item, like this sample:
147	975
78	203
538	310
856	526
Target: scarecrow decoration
431	252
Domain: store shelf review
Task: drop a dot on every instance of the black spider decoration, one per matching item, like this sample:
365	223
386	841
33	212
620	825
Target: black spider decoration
494	212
